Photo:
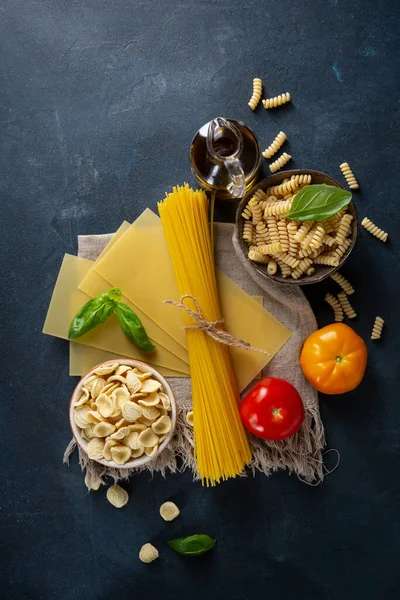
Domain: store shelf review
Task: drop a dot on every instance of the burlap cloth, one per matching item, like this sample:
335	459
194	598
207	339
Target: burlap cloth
302	453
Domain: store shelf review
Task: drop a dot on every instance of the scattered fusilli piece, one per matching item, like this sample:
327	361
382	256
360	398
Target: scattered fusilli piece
275	145
276	101
374	230
349	176
342	281
279	162
377	328
337	308
345	304
257	90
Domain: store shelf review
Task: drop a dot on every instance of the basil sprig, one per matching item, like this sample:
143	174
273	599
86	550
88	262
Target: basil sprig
93	313
132	327
97	310
192	545
318	202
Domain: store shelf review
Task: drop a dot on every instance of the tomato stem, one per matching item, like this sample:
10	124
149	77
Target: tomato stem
339	358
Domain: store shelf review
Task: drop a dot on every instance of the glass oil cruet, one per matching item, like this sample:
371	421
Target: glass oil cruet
225	157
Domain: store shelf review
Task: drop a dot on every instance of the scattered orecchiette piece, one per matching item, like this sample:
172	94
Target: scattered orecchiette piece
151	451
151	400
132	441
83	398
148	553
94	417
106	369
150	412
105	405
169	511
131	411
162	425
165	401
98	385
123	369
81	416
117	496
107	448
149	386
103	430
120	454
109	388
121	433
148	438
189	418
133	382
137	453
92	481
95	448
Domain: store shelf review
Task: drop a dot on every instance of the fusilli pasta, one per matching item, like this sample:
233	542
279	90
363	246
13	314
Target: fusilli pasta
276	101
272	267
377	328
275	145
335	304
257	90
349	176
257	257
345	304
279	162
296	247
343	282
374	230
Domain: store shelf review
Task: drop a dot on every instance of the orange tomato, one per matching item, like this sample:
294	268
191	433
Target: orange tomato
334	359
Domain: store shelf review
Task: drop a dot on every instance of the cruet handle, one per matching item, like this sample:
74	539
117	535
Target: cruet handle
219	129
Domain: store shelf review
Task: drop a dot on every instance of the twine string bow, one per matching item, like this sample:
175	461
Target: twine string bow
212	328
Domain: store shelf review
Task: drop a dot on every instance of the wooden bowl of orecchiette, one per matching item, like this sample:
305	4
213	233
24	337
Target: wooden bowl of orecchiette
123	413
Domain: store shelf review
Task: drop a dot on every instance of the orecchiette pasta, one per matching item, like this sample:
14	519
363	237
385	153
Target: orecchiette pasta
148	553
117	496
349	176
275	145
276	101
257	90
129	414
374	230
169	511
335	304
347	308
279	162
377	328
342	281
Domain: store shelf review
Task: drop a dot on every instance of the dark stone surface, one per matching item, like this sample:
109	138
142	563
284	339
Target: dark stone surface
99	102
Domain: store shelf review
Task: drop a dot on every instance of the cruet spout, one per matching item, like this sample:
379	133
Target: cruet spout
225	145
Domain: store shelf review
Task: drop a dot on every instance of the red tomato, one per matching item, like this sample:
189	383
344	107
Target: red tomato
273	409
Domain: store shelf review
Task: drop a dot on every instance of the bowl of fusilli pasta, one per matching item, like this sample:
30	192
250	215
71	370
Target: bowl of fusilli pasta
289	251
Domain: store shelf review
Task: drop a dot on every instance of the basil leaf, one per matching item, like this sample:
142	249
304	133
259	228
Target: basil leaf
318	202
93	313
132	327
192	545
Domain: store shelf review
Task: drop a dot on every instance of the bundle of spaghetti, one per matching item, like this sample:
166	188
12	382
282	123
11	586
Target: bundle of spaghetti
221	446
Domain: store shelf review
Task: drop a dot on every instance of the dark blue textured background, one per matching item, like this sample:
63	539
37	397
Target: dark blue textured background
99	102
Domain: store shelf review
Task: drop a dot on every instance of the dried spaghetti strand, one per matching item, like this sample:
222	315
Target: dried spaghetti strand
221	446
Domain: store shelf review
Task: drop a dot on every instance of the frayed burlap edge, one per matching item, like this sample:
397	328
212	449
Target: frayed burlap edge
300	454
